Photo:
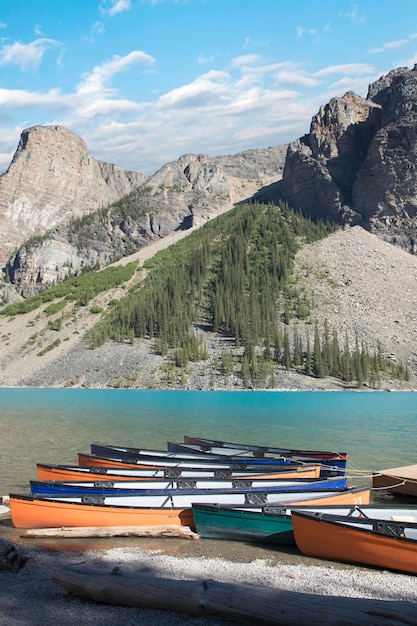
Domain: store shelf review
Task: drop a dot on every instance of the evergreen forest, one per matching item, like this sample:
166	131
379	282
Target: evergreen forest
234	277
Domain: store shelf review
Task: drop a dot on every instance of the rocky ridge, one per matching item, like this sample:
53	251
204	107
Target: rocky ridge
180	195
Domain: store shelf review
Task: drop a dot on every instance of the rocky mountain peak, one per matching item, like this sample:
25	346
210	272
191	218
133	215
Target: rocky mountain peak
357	164
51	179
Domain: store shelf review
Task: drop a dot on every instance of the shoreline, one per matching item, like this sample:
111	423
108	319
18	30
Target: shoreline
29	596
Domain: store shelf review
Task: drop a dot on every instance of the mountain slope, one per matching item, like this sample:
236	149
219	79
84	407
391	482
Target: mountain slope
357	298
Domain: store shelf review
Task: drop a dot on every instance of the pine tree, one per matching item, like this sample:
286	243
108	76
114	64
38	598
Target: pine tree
318	369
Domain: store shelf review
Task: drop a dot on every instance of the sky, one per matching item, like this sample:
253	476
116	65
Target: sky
143	82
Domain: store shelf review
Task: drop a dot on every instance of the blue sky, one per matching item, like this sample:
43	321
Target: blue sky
145	81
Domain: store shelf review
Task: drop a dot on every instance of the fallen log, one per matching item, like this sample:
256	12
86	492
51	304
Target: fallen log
183	532
248	604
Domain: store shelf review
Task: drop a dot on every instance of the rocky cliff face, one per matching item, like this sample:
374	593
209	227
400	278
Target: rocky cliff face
357	164
51	179
181	194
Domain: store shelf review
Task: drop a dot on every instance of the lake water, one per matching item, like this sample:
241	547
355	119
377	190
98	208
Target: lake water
377	429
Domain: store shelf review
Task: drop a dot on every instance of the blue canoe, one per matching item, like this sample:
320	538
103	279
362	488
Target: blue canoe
210	492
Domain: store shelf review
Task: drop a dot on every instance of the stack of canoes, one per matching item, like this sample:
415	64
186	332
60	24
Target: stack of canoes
118	486
228	491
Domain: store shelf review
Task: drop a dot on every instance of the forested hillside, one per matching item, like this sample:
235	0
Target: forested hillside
234	277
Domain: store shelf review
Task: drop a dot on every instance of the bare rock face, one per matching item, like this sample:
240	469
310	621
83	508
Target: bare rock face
181	194
321	167
357	164
51	179
385	191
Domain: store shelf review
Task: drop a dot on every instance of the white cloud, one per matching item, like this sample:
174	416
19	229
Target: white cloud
14	98
203	58
352	15
348	68
96	29
206	88
301	31
101	75
296	79
246	59
391	45
26	56
3	25
116	6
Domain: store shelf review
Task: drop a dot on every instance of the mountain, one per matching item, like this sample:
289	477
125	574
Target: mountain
357	163
133	211
63	212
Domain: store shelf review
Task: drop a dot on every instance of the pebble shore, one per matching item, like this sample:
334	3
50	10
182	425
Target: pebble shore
30	597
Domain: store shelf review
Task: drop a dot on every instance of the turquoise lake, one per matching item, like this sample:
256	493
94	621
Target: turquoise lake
377	429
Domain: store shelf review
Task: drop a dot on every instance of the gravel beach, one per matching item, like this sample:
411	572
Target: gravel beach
30	597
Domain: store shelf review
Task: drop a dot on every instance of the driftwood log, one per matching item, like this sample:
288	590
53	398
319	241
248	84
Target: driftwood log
234	602
183	532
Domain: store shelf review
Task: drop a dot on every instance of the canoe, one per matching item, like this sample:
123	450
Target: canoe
397	480
33	511
95	460
329	467
207	444
333	463
119	452
47	471
375	536
268	523
211	487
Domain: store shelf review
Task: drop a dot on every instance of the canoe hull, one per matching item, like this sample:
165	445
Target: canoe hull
320	538
266	524
187	456
241	525
207	444
94	460
333	463
38	513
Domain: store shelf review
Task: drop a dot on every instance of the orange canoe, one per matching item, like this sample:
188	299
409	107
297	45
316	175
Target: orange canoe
383	537
65	473
37	512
